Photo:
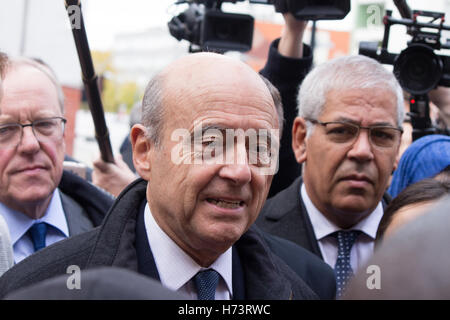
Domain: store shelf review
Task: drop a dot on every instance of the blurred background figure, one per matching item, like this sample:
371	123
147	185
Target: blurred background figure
103	283
441	98
41	203
414	201
125	149
413	263
114	177
6	250
444	175
424	158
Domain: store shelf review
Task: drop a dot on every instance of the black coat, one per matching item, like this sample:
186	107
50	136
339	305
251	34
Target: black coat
93	201
265	275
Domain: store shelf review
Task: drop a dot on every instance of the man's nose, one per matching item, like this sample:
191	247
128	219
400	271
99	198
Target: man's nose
28	142
239	174
361	149
236	167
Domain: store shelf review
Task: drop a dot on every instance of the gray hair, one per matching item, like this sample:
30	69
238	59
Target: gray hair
152	111
135	114
349	72
40	65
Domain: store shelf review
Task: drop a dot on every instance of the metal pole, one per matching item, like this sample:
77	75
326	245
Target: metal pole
91	86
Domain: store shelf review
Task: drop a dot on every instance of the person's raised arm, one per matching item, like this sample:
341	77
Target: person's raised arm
288	63
291	41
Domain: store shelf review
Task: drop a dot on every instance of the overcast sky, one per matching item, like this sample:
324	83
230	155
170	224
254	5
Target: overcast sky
105	18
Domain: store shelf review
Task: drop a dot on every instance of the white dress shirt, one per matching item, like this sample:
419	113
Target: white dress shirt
176	269
363	248
19	223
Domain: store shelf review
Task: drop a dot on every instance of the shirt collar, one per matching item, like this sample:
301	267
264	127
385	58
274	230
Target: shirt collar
166	251
323	227
19	223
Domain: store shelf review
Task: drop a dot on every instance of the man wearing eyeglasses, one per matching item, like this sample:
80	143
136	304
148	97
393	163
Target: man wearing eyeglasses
347	135
41	203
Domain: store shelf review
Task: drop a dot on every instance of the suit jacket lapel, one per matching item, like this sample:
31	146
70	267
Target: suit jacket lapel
238	277
285	215
77	219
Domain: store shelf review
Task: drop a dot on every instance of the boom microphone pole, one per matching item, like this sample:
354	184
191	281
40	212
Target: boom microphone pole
90	85
403	8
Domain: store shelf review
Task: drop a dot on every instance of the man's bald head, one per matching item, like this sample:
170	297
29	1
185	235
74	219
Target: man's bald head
200	71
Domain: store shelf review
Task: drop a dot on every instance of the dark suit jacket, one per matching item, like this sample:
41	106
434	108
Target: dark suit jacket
117	243
285	216
85	205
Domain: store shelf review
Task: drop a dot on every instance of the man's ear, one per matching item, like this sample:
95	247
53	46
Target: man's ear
141	150
299	139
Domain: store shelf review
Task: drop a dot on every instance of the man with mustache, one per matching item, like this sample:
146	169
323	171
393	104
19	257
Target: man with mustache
346	135
40	202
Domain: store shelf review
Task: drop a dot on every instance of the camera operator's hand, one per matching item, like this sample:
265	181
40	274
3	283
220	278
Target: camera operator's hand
291	42
112	177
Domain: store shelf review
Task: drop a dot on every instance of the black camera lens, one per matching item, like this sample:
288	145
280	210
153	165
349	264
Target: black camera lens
227	31
418	69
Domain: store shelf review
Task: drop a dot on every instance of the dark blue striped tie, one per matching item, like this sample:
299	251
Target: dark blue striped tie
343	268
37	232
206	283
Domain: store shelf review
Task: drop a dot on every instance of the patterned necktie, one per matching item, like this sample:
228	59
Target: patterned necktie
206	283
343	269
38	231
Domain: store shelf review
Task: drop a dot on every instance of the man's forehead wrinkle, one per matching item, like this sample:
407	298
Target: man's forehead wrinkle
355	96
222	101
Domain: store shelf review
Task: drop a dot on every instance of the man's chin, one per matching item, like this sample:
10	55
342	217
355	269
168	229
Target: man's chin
32	194
224	236
353	209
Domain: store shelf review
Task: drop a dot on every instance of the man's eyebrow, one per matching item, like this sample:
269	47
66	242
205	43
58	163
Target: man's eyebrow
376	124
206	128
195	134
213	127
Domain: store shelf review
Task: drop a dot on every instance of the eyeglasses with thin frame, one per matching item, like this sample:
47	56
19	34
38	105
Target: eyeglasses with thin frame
345	132
45	130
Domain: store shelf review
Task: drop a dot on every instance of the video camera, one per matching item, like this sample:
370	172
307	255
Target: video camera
417	68
208	28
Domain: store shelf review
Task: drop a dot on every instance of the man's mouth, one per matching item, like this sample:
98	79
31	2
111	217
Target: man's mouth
357	177
358	181
30	169
226	204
